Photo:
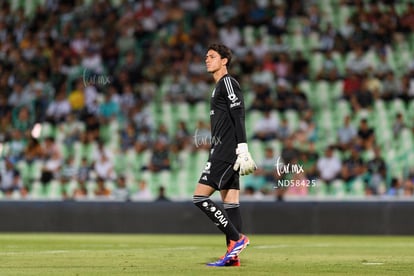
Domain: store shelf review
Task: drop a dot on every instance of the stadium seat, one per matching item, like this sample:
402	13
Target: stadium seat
338	188
36	190
358	187
293	119
54	190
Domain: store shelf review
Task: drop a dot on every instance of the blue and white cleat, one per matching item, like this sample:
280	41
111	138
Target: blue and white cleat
236	247
233	251
232	262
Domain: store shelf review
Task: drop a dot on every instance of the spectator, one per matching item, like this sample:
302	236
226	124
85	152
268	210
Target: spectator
248	63
5	107
329	166
147	90
59	108
365	134
230	35
81	191
16	146
68	171
283	67
383	66
92	60
398	125
33	150
377	170
103	167
182	137
121	190
101	191
175	91
142	117
51	168
260	48
71	130
255	185
362	99
128	137
109	109
23	119
10	180
346	134
284	131
195	90
162	134
278	24
357	62
352	167
160	158
327	38
262	97
351	85
144	140
83	171
76	98
329	69
127	99
266	127
143	193
161	197
309	158
299	100
300	67
289	152
307	131
19	96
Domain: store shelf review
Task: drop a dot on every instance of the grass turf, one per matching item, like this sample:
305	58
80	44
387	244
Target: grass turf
101	254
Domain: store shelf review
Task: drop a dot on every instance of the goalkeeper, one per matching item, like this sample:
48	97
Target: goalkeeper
229	156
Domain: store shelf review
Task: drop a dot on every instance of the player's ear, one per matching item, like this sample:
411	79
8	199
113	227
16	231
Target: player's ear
224	61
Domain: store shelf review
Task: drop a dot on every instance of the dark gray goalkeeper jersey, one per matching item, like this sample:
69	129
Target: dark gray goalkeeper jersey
227	119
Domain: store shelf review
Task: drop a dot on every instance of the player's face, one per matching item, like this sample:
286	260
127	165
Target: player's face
213	61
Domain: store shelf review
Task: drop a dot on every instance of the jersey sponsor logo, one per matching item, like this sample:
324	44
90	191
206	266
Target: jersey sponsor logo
235	104
204	177
221	218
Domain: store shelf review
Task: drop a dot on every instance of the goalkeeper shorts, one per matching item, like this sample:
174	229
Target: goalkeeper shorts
220	175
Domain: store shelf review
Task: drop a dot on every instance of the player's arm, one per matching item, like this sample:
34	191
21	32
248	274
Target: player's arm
244	161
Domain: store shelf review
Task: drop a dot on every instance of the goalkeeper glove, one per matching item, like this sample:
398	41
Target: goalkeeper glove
244	160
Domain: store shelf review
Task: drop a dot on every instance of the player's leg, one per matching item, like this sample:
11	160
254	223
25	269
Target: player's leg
228	183
231	205
214	212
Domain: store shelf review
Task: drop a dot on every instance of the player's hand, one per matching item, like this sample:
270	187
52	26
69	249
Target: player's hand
244	160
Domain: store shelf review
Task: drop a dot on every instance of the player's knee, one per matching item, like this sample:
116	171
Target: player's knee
199	199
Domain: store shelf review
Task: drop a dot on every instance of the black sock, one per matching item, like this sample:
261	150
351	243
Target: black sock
233	212
217	215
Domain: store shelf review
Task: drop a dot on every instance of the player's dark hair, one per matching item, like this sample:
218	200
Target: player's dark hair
223	51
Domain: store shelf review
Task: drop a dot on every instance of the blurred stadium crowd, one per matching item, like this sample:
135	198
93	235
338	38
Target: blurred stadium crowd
110	99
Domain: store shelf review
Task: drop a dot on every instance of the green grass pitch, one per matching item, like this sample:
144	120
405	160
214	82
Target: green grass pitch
113	254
